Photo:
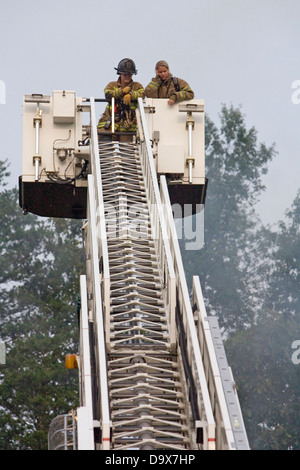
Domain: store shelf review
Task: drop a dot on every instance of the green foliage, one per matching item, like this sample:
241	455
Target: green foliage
235	160
277	377
40	263
250	280
4	173
268	382
284	293
227	265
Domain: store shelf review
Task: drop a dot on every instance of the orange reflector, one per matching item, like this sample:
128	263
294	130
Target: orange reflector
71	361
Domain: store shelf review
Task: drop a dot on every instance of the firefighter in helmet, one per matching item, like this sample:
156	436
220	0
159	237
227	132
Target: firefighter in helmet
165	85
126	93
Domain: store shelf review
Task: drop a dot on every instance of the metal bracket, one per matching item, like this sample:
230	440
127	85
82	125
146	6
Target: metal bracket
2	353
37	159
38	119
191	108
149	109
189	122
81	108
37	98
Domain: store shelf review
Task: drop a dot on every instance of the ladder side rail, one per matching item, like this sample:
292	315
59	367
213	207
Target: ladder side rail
240	432
195	359
100	221
158	223
85	427
212	370
98	317
220	387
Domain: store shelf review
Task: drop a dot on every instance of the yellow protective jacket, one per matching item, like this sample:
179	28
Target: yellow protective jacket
159	89
125	119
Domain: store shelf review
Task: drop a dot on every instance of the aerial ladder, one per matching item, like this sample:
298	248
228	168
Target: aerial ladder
153	372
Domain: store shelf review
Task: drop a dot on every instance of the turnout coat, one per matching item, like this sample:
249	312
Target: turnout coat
174	88
125	119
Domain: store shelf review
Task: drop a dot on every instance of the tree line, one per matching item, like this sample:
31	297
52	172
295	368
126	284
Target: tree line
250	280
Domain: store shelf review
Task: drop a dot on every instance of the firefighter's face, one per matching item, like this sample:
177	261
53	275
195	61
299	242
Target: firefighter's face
162	72
125	79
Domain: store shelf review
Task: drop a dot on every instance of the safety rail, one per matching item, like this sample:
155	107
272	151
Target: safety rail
85	425
217	386
161	201
207	421
158	223
100	220
224	399
97	261
62	432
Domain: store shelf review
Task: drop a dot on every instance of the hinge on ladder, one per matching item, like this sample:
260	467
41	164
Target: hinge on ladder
199	431
149	109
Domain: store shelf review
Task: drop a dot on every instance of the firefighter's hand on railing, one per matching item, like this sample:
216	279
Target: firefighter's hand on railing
126	90
127	99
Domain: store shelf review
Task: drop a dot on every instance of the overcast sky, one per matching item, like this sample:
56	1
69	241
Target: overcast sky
240	52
